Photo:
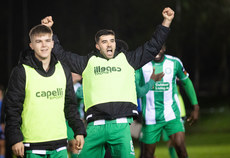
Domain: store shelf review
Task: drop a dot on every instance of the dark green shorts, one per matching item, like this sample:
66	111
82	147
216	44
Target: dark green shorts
151	134
165	136
116	136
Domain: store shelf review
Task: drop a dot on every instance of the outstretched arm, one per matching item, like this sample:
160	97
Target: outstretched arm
168	15
147	52
75	62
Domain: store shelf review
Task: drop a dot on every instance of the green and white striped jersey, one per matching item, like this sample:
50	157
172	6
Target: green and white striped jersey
161	104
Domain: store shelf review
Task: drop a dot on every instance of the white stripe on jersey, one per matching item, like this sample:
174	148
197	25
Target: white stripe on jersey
150	112
168	101
150	107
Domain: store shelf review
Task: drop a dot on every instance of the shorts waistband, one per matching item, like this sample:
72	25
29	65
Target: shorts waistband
103	122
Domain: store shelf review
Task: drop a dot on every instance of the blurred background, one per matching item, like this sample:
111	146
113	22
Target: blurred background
200	36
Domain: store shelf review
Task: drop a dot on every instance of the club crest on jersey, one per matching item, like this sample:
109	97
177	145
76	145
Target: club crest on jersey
168	70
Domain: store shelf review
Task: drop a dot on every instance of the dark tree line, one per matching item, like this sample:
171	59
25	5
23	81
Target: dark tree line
200	33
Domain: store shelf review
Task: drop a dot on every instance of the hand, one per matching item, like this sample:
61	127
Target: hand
18	149
71	146
168	15
79	142
194	115
47	21
157	77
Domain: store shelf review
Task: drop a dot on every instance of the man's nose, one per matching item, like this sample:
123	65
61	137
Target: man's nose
109	43
43	43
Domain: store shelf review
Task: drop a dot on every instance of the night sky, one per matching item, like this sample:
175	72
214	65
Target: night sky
199	36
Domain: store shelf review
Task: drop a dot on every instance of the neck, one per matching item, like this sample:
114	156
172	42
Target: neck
46	64
161	60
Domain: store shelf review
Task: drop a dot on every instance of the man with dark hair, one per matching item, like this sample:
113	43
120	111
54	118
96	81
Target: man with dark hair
109	87
39	99
103	32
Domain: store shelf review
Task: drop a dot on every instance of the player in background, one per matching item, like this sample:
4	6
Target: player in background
171	149
160	103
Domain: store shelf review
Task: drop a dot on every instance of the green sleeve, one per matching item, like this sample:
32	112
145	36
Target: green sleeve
79	93
190	91
142	88
181	72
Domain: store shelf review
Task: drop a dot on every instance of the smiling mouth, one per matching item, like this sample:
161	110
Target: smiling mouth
44	50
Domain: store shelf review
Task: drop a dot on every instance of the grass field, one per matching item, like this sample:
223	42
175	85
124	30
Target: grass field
208	138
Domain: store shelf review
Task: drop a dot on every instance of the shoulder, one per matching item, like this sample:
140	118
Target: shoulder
18	71
66	70
17	78
65	67
174	59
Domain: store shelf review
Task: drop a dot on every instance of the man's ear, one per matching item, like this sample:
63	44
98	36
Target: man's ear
97	46
31	46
